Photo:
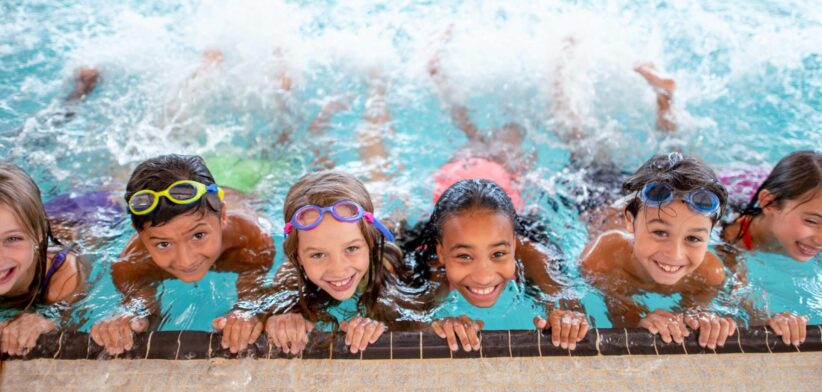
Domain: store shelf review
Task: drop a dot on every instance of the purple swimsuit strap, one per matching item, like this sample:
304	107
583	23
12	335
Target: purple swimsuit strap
59	259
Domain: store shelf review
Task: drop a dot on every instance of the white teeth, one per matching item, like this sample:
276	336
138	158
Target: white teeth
341	283
811	251
669	268
6	273
485	291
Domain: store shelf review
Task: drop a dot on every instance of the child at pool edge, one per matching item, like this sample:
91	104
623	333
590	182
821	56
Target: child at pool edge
784	216
207	228
329	260
31	272
672	205
476	243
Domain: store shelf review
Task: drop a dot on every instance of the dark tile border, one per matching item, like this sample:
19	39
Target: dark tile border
186	345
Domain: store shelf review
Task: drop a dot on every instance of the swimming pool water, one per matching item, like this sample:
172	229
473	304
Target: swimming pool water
748	93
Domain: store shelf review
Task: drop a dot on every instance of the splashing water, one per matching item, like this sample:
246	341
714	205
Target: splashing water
748	92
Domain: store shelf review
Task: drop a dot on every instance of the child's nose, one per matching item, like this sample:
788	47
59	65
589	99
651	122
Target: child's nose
185	257
483	274
676	252
336	264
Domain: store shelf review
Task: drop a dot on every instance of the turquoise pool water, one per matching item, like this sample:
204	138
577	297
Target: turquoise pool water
748	93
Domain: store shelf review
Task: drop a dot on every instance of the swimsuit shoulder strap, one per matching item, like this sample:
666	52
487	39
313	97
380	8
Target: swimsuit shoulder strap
744	227
59	260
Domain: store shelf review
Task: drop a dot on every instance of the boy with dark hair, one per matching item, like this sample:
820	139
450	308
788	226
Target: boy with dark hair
186	225
671	207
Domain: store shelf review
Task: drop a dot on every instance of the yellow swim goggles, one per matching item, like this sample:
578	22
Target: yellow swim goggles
180	192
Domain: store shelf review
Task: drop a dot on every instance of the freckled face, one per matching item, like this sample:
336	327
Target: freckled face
16	255
334	256
186	246
669	242
477	249
797	225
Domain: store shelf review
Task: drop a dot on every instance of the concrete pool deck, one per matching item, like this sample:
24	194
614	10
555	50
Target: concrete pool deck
778	371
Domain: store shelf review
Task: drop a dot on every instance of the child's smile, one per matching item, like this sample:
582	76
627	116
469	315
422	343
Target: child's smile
186	246
669	242
478	252
334	256
16	255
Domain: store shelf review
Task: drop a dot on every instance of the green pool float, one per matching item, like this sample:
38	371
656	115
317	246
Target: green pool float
243	174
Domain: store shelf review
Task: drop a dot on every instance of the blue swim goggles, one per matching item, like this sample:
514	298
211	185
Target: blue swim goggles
701	201
308	217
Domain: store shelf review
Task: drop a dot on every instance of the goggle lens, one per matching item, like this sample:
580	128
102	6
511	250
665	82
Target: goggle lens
308	216
142	201
657	193
347	211
704	201
183	192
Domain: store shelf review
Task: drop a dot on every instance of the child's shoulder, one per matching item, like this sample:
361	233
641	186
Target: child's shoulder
712	271
603	252
66	279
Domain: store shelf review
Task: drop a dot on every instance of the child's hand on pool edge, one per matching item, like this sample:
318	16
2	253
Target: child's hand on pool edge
462	328
791	326
20	335
289	332
670	326
116	333
240	328
567	327
360	332
713	329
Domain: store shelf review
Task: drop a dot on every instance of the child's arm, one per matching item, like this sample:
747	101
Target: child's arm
251	258
286	328
459	113
134	276
602	266
19	335
789	325
708	279
568	324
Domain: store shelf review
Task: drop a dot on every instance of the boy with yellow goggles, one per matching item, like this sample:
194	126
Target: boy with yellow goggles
201	228
180	192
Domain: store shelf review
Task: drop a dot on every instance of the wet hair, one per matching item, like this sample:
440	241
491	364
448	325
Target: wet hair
797	176
461	197
20	194
157	174
323	189
683	174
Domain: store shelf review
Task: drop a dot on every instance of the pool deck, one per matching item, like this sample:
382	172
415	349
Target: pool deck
607	359
786	371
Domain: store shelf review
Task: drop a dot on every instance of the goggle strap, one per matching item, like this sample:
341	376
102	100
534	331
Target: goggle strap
287	228
384	230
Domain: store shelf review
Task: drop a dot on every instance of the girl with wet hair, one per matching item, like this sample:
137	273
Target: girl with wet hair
35	268
784	216
335	249
671	207
476	243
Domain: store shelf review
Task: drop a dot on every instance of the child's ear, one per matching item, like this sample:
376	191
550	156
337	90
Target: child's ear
766	201
629	221
439	255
